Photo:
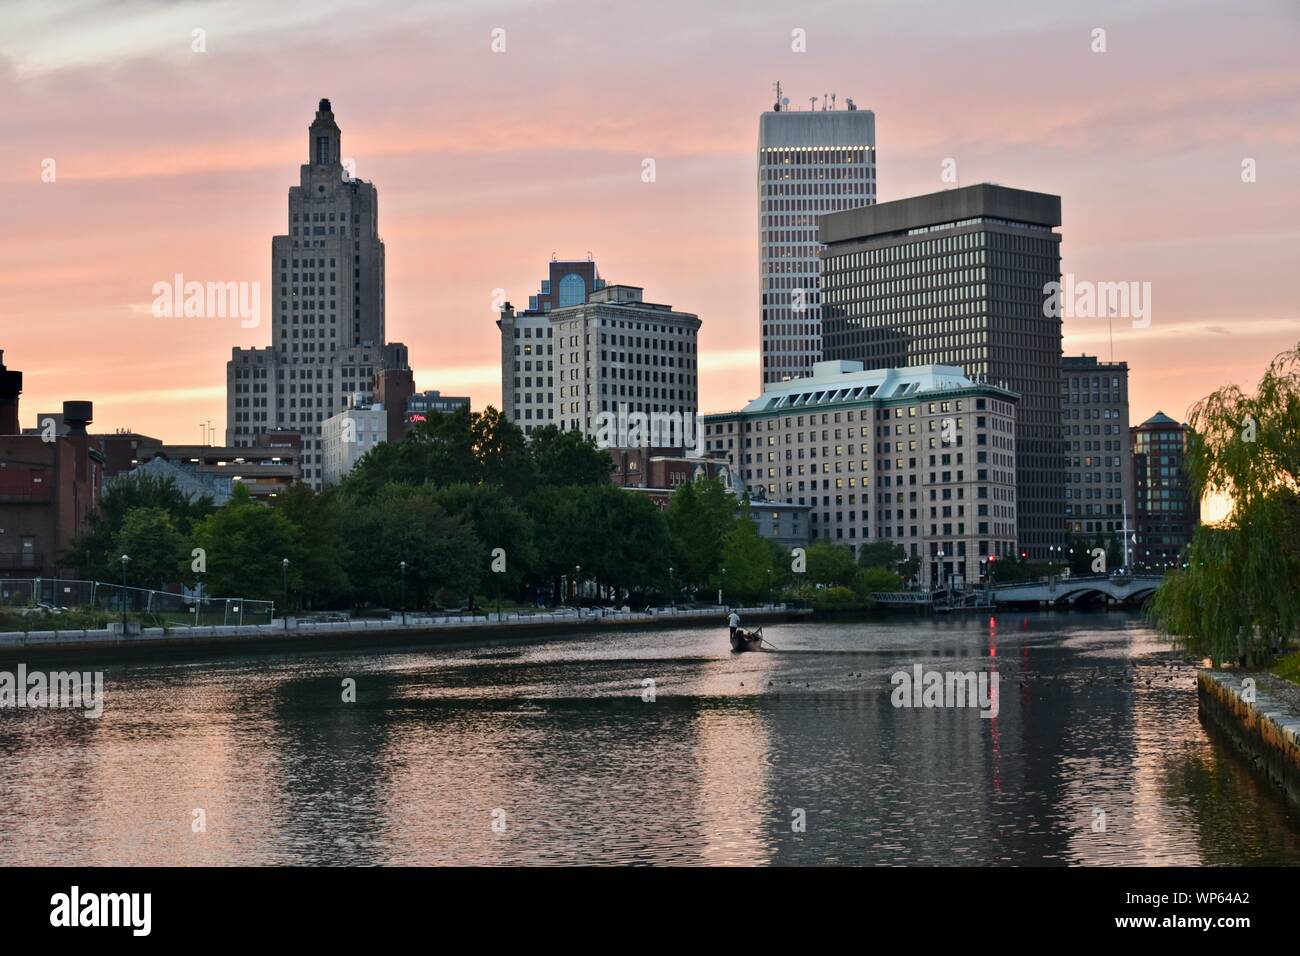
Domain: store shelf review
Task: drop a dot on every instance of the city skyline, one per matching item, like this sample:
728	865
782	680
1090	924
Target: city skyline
189	177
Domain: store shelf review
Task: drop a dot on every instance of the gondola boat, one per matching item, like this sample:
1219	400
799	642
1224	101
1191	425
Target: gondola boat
744	640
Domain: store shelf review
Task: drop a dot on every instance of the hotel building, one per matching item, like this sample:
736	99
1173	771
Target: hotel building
922	456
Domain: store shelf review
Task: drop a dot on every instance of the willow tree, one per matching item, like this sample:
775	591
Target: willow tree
1239	595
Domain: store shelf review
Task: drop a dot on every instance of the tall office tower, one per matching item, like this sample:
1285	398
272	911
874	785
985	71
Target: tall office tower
961	278
327	308
809	163
921	456
1167	512
620	355
527	354
1098	464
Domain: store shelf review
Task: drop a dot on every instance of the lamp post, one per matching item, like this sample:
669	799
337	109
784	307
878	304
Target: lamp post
126	559
577	584
672	591
284	570
722	574
939	569
403	601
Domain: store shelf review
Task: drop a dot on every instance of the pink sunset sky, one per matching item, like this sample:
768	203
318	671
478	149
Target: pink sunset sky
173	161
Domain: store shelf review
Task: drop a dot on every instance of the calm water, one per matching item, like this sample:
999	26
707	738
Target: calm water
1095	714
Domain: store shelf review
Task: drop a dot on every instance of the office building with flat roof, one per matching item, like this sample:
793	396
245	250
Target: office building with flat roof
810	162
962	278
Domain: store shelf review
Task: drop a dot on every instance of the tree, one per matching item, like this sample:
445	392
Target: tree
872	579
94	553
445	562
244	542
326	549
1237	596
158	552
568	458
747	560
881	554
498	521
456	447
625	539
700	513
831	565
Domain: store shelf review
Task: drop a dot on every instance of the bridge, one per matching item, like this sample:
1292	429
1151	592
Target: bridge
1112	589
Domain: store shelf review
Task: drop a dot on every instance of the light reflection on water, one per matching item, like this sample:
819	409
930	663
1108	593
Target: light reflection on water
1096	716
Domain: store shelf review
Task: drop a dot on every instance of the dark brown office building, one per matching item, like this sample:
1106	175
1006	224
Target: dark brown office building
1167	514
960	278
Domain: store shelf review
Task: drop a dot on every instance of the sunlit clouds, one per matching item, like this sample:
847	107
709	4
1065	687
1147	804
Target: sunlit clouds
173	161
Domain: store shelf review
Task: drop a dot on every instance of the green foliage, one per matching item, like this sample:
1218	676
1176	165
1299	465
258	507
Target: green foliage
158	552
326	550
872	579
1238	596
245	542
700	514
839	599
747	560
445	562
498	521
457	447
568	458
94	553
830	565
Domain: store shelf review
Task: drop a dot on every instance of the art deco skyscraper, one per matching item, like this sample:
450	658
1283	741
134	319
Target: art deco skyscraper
809	163
327	315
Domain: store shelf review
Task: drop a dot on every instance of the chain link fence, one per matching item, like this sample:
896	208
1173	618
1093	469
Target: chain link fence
153	607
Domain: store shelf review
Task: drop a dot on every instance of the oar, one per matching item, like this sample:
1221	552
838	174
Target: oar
768	643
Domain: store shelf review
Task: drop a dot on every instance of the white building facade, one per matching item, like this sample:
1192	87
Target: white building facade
810	162
347	437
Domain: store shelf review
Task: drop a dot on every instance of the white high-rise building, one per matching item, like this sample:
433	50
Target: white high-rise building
618	355
810	162
327	308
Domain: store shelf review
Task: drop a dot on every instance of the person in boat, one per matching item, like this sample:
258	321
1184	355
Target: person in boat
734	622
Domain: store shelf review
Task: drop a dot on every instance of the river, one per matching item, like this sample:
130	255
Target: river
552	752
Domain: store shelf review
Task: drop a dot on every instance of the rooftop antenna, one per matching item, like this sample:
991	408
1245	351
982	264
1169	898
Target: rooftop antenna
852	105
777	107
812	103
832	101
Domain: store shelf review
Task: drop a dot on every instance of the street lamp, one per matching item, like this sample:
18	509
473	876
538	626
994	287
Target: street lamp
577	585
939	567
284	568
672	591
403	567
126	559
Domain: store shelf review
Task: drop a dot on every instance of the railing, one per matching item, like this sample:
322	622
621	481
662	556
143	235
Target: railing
166	607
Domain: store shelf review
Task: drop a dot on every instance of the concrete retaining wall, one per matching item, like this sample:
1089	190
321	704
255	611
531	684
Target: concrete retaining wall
1264	732
418	630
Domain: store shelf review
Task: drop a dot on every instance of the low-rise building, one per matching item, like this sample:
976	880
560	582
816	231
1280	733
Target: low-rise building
266	467
350	435
49	486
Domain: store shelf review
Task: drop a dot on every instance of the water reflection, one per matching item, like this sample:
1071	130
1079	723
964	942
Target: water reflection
553	743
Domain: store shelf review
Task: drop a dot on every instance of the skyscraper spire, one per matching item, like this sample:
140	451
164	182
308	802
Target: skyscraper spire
324	138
